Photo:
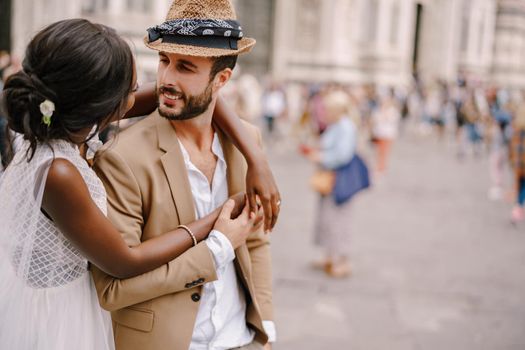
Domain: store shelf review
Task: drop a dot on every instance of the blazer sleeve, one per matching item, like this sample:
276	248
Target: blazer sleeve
258	245
126	213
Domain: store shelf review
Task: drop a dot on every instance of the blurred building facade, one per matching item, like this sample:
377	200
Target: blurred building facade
508	66
384	41
129	17
351	41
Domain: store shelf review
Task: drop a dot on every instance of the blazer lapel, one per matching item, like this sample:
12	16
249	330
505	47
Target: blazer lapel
175	170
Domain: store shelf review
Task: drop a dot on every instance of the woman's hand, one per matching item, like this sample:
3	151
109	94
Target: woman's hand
238	229
239	200
261	186
314	156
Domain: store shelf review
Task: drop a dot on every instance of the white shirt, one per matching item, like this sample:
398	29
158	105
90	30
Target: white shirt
386	122
221	319
274	103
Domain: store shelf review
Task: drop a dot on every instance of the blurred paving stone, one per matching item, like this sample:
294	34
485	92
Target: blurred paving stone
436	264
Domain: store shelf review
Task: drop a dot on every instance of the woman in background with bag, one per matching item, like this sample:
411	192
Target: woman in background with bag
517	156
335	157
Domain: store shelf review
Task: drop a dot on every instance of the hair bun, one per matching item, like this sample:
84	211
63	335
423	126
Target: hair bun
41	88
22	96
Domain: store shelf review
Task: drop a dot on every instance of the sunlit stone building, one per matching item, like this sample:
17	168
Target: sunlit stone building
353	41
384	41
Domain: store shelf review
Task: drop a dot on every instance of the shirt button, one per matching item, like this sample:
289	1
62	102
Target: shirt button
195	297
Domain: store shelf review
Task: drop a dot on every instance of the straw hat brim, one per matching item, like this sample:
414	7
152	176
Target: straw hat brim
244	45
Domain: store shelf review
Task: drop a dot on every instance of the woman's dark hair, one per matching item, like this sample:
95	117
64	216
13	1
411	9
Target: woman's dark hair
85	69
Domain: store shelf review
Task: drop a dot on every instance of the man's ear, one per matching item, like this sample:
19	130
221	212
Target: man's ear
222	78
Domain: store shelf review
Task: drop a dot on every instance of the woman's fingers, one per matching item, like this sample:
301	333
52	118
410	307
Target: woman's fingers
268	212
252	199
276	208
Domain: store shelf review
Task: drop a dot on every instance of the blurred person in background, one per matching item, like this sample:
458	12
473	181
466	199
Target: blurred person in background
385	126
15	65
273	107
458	100
316	109
472	115
517	156
434	108
337	146
249	98
5	60
497	137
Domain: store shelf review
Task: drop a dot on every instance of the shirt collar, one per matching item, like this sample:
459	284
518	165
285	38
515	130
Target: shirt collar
216	149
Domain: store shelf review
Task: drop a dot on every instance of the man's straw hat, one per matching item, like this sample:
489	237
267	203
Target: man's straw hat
205	28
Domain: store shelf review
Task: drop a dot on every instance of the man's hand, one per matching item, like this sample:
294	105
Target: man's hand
261	183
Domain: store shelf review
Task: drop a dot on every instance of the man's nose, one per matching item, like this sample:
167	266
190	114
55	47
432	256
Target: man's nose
171	76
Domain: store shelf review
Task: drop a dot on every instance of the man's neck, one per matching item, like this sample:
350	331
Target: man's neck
196	133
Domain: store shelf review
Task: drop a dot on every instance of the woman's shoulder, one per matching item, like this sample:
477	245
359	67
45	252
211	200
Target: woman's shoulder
65	181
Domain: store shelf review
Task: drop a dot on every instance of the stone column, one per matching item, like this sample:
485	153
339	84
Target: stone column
116	7
489	32
383	25
31	16
452	38
281	36
407	32
473	33
160	9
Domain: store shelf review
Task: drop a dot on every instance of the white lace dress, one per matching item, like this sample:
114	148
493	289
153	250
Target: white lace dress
47	297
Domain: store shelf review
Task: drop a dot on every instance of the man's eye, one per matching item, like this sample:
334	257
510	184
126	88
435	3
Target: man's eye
184	68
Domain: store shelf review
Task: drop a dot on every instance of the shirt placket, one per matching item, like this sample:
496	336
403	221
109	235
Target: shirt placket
217	287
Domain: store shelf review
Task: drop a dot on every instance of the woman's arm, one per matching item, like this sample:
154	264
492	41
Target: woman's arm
145	101
259	178
68	202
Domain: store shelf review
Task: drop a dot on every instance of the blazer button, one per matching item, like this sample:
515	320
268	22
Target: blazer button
195	297
188	285
200	280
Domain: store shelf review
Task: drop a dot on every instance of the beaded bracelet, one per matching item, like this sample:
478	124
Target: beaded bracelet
187	229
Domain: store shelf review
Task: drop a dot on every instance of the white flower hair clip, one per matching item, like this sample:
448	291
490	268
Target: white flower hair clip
47	108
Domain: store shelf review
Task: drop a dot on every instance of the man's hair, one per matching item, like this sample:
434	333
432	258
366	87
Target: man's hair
220	63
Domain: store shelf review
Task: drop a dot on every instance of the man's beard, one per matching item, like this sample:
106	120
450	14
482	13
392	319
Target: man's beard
193	105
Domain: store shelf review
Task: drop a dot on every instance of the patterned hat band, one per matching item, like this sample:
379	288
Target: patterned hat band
214	33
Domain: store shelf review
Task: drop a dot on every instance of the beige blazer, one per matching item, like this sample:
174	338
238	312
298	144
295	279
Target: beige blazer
149	194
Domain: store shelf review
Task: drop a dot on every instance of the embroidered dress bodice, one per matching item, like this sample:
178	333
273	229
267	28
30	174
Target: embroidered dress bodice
41	254
47	296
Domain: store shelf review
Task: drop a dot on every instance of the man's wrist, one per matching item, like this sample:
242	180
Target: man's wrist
269	329
221	248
